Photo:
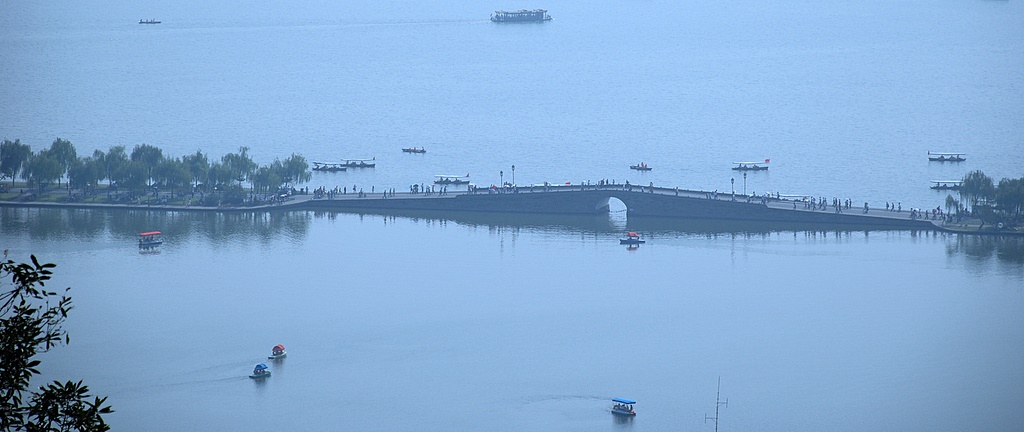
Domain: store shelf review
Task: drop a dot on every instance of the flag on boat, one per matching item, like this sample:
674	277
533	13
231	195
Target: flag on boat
767	160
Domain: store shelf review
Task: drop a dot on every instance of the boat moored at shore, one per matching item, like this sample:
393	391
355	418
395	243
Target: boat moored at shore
149	21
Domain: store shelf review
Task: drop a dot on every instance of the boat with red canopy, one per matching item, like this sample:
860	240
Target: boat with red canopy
632	238
150	239
278	352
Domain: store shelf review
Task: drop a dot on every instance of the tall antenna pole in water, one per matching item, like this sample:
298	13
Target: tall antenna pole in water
718	403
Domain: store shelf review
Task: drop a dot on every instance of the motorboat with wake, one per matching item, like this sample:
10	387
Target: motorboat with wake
623	407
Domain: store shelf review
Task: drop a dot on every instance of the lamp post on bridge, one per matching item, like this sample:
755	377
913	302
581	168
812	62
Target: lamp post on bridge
732	181
501	175
744	183
513	174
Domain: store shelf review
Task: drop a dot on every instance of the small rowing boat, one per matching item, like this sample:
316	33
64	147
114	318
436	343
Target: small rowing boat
632	238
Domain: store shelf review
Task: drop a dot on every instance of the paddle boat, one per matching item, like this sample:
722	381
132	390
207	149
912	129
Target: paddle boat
632	238
751	166
623	407
278	352
414	150
946	157
150	239
642	166
260	371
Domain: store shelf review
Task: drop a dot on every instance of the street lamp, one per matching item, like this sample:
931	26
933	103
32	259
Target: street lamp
513	175
501	174
732	181
744	183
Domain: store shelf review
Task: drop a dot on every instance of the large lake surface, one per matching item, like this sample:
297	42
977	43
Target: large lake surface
492	322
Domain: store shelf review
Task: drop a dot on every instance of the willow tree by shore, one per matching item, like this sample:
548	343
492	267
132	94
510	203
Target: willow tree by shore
147	167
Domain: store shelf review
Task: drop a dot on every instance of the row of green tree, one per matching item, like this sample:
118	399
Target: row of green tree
981	192
144	167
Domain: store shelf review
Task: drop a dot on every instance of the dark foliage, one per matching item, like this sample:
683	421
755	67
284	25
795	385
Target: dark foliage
31	321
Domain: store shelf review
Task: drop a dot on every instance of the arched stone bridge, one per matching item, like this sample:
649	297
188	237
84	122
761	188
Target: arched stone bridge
639	201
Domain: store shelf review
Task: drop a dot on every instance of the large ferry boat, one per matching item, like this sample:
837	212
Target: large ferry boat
536	15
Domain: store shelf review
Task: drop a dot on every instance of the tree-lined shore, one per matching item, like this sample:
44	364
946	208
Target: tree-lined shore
143	174
988	201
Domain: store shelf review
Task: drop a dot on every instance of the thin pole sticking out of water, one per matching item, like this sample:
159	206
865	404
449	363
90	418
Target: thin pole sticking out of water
718	403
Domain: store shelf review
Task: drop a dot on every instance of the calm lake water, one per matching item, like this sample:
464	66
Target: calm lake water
497	322
420	323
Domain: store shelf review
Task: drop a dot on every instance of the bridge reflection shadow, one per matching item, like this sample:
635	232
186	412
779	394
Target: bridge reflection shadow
611	222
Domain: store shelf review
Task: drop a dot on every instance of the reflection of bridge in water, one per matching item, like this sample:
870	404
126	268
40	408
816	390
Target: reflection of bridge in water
643	201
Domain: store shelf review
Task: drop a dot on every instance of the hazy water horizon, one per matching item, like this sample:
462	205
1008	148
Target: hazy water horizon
534	323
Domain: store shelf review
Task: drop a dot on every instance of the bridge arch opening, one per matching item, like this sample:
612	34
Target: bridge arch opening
611	205
616	210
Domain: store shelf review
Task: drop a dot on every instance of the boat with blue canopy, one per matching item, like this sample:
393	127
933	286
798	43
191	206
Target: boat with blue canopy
260	371
623	407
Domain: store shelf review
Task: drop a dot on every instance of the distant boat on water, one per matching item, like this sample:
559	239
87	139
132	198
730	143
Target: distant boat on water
150	21
946	157
751	166
536	15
